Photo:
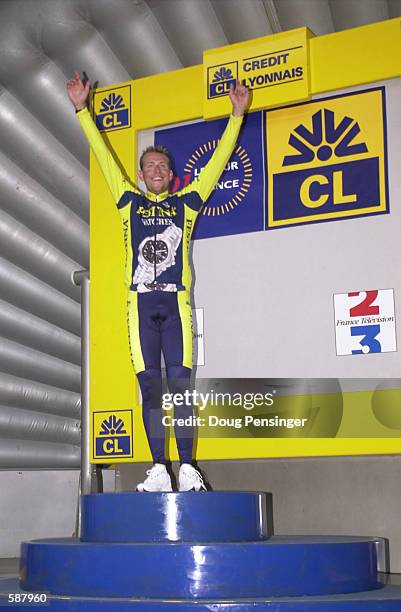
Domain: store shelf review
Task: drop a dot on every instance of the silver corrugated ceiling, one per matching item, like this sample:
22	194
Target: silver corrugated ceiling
44	211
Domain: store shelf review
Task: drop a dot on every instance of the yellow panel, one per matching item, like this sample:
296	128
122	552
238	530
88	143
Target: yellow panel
365	110
355	422
318	447
351	57
343	59
112	381
168	98
275	68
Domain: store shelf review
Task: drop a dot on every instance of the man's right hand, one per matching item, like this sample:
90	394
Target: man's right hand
77	91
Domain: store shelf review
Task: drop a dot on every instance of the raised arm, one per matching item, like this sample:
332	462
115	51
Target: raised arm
78	94
211	173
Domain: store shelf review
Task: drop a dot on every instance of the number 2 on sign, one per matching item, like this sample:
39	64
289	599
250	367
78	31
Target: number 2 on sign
365	307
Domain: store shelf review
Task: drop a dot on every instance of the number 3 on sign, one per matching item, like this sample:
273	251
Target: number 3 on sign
369	333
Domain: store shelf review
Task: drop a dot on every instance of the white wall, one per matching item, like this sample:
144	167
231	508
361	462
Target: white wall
39	504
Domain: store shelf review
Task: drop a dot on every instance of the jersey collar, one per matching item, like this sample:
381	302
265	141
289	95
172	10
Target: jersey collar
156	197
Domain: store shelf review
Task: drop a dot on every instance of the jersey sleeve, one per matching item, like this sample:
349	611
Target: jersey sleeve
211	173
115	179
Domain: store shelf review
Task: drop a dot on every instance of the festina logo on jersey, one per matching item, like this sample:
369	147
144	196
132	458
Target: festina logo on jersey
156	211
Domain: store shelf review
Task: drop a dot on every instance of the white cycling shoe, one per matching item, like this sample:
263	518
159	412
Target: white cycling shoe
158	480
190	479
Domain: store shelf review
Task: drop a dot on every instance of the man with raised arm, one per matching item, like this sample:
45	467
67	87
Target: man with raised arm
157	233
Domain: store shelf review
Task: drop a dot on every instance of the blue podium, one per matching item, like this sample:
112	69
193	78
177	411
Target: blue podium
197	551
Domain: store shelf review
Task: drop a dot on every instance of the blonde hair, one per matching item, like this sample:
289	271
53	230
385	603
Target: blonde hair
156	149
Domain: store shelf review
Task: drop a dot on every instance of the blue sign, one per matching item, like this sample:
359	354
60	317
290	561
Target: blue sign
331	189
118	445
236	205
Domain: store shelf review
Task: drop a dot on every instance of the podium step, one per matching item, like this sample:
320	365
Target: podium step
197	552
387	599
222	516
278	567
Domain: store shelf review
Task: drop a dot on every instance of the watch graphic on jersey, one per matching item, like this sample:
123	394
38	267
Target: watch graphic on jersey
160	252
155	251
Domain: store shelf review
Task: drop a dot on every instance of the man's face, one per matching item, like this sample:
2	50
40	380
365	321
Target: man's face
156	173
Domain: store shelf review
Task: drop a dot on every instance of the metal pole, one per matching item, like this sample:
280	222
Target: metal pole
81	278
91	477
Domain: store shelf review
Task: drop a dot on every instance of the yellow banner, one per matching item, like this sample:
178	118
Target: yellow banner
275	68
331	423
313	424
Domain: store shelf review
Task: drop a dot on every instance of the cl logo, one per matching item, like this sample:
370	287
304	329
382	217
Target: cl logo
111	121
324	188
111	446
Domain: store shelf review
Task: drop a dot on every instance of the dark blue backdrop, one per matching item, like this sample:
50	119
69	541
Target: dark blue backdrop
222	215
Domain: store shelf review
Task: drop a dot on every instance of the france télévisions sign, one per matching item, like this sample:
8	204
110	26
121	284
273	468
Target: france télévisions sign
365	322
275	68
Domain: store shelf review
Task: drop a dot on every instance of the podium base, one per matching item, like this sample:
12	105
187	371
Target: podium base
387	599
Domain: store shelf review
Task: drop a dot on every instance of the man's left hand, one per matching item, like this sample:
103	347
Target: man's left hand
239	96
